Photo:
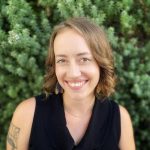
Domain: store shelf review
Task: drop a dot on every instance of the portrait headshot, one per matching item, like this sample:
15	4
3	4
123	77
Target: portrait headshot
74	111
74	75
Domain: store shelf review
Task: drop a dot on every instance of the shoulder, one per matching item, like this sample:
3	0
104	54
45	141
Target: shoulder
124	114
125	118
21	123
24	111
127	136
26	106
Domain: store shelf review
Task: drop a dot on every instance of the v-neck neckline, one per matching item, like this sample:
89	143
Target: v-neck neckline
97	130
86	134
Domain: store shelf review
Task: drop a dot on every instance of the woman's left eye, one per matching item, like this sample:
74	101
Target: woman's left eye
85	60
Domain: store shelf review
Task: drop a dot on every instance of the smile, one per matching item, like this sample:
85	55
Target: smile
76	85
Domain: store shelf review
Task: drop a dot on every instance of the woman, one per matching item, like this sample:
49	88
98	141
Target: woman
75	111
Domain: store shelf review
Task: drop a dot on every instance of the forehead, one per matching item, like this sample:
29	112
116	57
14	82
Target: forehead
70	42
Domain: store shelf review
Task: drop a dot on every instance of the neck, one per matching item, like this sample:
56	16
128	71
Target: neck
78	107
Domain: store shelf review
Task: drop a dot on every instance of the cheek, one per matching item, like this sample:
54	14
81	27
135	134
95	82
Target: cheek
95	74
94	71
59	73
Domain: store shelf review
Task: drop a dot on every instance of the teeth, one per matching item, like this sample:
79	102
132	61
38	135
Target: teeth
76	84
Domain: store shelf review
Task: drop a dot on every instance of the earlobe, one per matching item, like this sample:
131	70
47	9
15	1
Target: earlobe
58	88
98	89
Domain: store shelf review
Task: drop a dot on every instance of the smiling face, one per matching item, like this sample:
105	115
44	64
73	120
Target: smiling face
76	70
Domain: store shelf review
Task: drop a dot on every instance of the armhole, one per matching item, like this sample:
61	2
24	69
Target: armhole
117	121
119	125
33	124
38	100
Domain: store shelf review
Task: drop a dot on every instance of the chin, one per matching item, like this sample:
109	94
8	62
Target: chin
78	95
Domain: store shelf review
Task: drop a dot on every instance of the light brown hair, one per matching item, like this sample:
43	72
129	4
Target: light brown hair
100	48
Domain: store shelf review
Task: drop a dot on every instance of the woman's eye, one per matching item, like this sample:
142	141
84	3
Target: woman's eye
61	61
85	60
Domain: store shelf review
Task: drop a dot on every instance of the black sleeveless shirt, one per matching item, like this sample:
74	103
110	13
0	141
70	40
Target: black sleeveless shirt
49	130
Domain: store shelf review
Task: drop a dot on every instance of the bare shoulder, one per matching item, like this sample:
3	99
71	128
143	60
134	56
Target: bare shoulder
124	114
20	127
26	106
127	135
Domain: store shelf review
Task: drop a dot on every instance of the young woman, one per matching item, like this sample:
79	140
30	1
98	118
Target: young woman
75	113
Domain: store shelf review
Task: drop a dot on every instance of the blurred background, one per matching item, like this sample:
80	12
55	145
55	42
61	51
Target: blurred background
25	29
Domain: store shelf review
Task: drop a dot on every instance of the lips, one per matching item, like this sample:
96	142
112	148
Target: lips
76	85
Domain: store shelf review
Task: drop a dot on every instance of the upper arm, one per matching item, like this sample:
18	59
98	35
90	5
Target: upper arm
20	127
127	137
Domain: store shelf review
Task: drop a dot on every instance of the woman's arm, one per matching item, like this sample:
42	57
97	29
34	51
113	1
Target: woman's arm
127	137
20	127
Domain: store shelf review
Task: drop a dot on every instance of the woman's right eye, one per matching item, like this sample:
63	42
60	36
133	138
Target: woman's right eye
60	61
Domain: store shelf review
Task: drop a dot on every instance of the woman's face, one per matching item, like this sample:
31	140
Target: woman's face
76	70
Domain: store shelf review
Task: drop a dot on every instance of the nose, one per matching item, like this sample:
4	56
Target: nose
73	70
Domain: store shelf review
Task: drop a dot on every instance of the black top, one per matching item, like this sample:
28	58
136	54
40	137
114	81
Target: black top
49	130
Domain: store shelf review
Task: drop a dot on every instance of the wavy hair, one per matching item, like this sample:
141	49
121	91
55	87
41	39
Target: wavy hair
100	48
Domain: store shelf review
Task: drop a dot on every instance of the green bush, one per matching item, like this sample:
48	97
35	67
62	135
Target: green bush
25	28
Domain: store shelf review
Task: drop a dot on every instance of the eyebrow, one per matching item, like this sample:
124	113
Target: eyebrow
78	54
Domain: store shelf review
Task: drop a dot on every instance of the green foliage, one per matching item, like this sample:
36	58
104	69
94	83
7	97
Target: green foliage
25	28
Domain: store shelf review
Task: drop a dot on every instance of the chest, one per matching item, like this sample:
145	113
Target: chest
50	128
77	126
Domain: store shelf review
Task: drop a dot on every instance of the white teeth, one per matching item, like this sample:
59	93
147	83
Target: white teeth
76	84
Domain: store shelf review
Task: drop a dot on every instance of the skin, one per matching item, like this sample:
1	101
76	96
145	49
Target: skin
20	127
13	136
74	63
78	74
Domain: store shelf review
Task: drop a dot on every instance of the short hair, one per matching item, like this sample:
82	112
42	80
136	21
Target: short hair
97	41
